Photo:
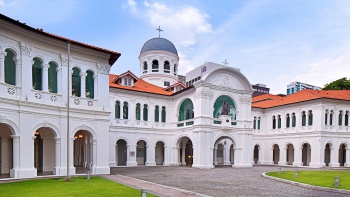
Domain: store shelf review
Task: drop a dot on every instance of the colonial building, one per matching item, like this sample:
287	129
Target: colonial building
151	119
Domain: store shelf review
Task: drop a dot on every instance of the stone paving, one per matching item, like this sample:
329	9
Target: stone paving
221	181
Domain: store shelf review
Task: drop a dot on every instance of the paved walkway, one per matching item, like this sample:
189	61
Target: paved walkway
224	181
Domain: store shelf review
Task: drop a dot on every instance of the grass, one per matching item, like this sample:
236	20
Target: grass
78	186
317	178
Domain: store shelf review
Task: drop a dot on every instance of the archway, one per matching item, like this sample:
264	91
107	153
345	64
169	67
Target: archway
306	154
82	151
256	154
185	154
121	150
276	154
141	152
290	154
218	107
342	154
223	153
327	154
44	151
6	151
159	153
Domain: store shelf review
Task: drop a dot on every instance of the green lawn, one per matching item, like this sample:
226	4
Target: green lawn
78	186
318	178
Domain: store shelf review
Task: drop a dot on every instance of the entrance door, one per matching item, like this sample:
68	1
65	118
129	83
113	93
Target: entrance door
122	153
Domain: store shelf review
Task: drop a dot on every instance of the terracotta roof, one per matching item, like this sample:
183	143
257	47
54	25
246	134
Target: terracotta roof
113	55
301	96
264	97
140	86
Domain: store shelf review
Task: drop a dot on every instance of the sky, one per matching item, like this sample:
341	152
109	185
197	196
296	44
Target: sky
271	42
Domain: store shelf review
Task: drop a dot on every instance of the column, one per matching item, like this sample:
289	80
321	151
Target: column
347	159
94	155
171	68
71	158
260	159
132	160
283	159
227	155
18	71
161	66
166	156
45	73
127	155
334	157
59	79
149	67
150	157
83	85
183	161
56	170
297	157
15	154
2	66
215	156
95	87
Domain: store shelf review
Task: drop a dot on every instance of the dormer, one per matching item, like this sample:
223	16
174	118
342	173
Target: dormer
126	79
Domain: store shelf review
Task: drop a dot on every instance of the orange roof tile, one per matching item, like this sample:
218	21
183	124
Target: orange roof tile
303	95
140	86
264	97
113	55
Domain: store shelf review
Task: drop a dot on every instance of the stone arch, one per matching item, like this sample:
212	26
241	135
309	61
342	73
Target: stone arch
143	139
180	103
90	68
225	94
55	129
237	74
223	136
160	140
287	143
84	128
11	125
305	142
345	143
122	138
274	143
13	49
40	57
181	136
331	144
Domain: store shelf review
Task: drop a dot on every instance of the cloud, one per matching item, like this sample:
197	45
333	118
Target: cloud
185	65
2	2
181	24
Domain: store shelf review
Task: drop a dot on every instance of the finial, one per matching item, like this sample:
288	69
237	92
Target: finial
225	62
159	30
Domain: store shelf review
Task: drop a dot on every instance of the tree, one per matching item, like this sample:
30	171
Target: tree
340	84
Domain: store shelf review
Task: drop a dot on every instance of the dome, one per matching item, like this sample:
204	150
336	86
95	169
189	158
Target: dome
158	44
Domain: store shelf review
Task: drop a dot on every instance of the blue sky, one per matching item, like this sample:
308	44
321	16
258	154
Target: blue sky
272	42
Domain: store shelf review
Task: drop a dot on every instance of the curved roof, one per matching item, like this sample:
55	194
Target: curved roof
158	44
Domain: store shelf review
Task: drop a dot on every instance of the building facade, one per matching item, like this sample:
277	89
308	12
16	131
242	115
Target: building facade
297	86
58	110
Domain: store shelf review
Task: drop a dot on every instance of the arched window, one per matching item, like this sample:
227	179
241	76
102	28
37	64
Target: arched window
294	120
218	109
331	117
186	110
52	77
163	114
138	111
10	68
347	118
155	66
76	81
273	122
166	67
279	121
89	84
326	117
310	117
117	110
175	69
125	110
303	118
145	67
156	114
254	123
37	74
259	123
340	119
145	112
287	121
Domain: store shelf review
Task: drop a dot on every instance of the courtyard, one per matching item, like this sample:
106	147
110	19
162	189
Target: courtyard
221	181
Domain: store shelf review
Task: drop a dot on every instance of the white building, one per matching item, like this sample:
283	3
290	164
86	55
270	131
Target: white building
149	120
297	86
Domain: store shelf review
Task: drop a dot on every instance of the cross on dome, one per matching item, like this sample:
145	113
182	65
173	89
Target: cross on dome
159	30
225	62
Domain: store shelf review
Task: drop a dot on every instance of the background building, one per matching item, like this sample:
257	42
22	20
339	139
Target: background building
297	86
260	89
